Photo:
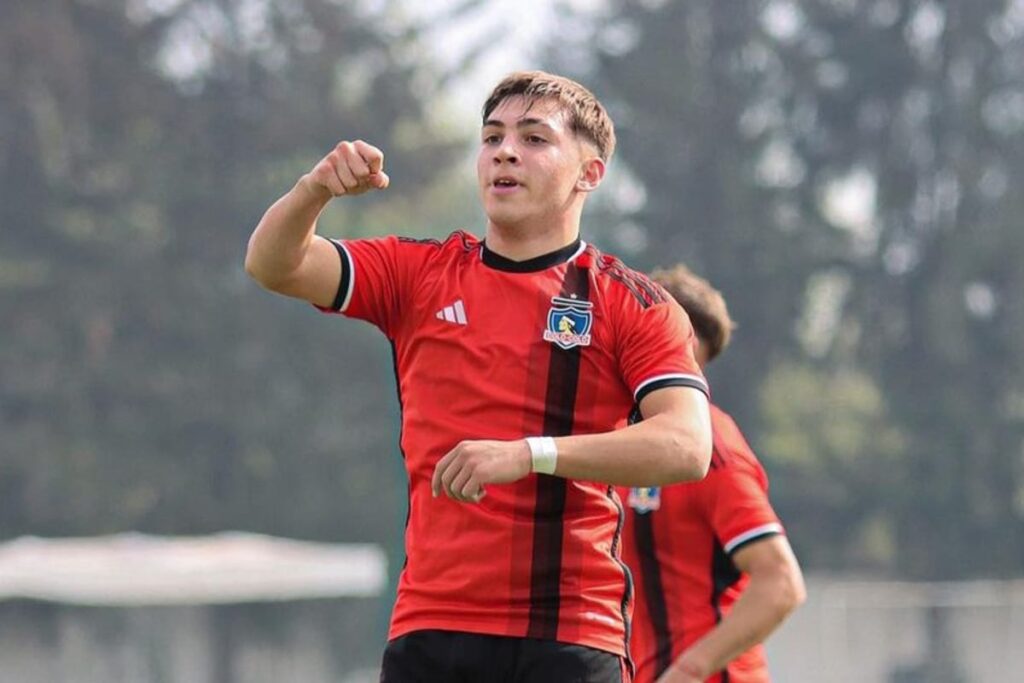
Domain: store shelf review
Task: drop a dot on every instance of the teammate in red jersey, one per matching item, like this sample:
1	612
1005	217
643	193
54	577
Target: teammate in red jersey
520	361
714	573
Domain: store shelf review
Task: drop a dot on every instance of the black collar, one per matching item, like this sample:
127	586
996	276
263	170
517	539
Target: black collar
553	258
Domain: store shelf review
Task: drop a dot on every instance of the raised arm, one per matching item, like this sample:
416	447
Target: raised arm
776	588
671	444
285	254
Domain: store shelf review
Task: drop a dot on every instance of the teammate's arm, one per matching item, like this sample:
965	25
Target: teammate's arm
285	254
775	589
671	444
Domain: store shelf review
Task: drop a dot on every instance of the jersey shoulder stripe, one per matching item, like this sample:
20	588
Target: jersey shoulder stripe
458	239
646	292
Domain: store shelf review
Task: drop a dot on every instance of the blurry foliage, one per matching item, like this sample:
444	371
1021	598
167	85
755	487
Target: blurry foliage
844	173
828	444
146	382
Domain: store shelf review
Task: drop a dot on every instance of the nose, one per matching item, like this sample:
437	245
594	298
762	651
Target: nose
506	153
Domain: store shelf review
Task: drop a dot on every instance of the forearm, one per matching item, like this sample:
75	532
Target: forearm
673	443
763	606
279	243
661	450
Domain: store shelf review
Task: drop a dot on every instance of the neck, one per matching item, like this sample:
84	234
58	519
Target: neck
522	242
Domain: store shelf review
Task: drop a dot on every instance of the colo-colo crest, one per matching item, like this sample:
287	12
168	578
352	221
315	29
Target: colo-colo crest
645	499
569	322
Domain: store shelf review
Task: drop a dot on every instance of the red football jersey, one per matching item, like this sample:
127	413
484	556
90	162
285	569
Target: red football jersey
488	348
678	542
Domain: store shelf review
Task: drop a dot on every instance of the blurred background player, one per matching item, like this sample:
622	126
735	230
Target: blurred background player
713	571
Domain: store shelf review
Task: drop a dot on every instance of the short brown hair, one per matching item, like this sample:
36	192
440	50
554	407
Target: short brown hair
703	303
586	116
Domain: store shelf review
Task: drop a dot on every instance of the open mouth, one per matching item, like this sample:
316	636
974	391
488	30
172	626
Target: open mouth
505	182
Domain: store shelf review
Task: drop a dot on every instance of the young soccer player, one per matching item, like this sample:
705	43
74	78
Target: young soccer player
520	359
714	573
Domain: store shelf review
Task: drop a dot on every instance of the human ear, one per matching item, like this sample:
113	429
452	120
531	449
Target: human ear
591	174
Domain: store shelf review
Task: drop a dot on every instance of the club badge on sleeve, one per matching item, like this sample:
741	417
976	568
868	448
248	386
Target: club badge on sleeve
569	322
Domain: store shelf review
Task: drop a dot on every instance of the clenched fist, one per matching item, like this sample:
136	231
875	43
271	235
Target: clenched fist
351	168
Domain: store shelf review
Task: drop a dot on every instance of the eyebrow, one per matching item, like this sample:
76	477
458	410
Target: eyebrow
521	123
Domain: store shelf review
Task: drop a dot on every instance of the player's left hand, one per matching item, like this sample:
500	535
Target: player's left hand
464	470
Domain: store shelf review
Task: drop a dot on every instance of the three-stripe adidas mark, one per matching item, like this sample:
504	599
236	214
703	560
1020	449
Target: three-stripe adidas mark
453	314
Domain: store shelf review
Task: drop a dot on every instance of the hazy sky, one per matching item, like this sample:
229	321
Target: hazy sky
516	29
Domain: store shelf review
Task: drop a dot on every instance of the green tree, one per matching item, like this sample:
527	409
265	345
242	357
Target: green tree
147	383
915	98
843	171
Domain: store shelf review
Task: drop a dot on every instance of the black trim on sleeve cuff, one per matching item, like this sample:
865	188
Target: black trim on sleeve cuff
691	382
753	539
346	277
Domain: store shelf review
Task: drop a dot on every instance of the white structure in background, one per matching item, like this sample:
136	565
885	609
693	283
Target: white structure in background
853	631
229	608
236	608
134	569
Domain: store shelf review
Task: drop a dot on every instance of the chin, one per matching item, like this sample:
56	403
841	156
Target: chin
503	217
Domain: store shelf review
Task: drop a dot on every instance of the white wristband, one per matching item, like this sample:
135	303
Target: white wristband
543	453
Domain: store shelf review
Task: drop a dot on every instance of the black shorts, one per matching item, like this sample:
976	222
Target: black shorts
457	657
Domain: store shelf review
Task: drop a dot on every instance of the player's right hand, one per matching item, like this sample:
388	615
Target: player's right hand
351	168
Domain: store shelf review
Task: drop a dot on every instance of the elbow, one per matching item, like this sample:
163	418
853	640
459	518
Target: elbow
799	591
690	453
254	271
695	444
702	456
779	592
252	268
258	271
692	443
790	591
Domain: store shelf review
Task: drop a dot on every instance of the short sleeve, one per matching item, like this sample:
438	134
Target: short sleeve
735	498
376	277
657	349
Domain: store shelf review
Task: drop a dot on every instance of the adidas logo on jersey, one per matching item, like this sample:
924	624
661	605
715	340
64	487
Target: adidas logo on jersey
455	313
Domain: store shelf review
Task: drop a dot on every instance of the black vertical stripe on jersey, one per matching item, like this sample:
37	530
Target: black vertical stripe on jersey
723	574
560	405
654	591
